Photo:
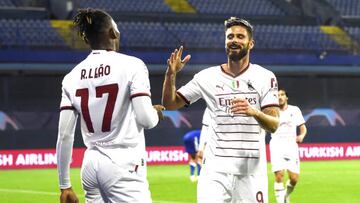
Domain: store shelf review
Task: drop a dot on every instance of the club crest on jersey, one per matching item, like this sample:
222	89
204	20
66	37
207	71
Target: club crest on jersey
250	86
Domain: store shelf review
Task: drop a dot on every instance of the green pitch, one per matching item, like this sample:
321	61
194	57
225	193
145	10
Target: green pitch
325	181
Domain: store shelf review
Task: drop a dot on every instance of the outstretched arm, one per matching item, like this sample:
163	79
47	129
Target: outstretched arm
146	114
67	122
170	99
268	118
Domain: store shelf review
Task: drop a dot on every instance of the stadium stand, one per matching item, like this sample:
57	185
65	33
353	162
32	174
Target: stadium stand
354	32
40	33
162	25
153	6
237	7
146	35
29	34
347	8
6	3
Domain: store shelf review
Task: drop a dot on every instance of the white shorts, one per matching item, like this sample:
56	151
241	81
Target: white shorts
284	158
215	187
105	181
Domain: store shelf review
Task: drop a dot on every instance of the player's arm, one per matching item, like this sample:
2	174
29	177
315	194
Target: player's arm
202	142
170	99
302	133
268	117
146	114
64	145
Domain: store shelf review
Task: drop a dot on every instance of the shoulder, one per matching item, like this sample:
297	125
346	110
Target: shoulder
123	58
129	64
260	71
70	77
210	71
294	108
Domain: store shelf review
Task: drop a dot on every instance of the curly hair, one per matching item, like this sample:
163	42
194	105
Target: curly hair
232	21
90	23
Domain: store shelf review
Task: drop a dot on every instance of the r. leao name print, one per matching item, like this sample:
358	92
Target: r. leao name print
95	72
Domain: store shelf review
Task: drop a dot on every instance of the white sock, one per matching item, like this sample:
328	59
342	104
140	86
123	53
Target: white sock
279	192
289	188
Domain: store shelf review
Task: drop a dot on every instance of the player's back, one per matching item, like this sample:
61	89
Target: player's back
100	89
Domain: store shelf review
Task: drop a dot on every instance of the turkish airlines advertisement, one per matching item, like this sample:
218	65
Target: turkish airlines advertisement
46	158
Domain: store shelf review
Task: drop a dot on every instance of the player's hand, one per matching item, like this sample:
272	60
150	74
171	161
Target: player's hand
242	106
68	196
199	156
299	139
160	109
175	63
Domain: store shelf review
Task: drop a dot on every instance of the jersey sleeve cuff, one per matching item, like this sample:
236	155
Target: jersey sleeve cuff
269	105
66	108
139	95
65	186
184	98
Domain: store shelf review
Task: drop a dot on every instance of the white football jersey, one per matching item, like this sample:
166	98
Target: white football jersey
290	119
204	129
100	88
236	143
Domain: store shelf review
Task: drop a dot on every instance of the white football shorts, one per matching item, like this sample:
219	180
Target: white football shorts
284	157
105	181
215	187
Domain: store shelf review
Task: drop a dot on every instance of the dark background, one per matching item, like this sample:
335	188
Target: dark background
33	102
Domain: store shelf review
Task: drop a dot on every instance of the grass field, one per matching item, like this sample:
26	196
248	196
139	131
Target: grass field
320	182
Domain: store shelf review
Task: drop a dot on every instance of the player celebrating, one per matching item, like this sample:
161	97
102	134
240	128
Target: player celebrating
284	149
243	103
111	93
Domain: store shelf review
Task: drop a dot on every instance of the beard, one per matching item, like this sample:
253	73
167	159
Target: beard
237	56
281	104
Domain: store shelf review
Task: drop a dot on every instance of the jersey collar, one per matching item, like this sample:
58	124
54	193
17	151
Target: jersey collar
234	76
100	51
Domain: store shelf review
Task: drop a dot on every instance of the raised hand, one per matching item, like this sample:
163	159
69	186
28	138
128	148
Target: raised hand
175	63
160	109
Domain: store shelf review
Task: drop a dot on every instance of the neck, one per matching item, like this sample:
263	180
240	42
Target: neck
284	106
236	67
103	46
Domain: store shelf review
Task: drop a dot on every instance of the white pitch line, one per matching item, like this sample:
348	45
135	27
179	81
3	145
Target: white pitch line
29	192
34	192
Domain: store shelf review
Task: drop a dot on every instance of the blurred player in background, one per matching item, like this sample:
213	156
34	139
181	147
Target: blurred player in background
243	102
111	93
203	135
191	143
284	147
194	142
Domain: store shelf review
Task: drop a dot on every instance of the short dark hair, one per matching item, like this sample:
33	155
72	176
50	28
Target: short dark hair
232	21
91	22
284	90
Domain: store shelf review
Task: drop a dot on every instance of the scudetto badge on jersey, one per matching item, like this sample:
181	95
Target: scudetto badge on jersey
235	84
